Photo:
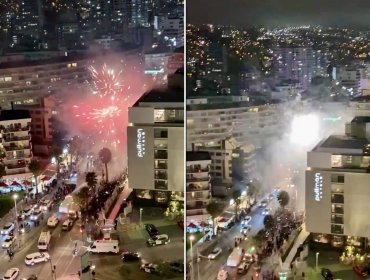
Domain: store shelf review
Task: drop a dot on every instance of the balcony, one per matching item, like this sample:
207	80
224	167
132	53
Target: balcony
197	179
15	138
16	166
161	176
160	154
337	220
193	212
14	129
160	185
160	166
15	148
337	229
16	171
193	187
197	170
337	198
189	197
198	205
337	210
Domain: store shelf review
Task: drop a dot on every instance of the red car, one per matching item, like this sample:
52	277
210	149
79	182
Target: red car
361	271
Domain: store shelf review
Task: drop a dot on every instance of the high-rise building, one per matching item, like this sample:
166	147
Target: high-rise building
198	187
155	140
337	183
29	21
16	147
300	64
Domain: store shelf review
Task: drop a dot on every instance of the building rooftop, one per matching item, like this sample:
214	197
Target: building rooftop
8	115
162	95
196	156
343	142
361	119
230	104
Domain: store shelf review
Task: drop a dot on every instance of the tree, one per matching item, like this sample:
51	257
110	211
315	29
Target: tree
283	198
91	180
260	238
268	222
36	169
75	146
236	196
105	156
175	208
215	209
2	170
82	197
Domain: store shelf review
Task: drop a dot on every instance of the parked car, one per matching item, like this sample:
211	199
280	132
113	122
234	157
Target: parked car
37	215
327	274
149	268
243	268
158	240
37	257
9	241
53	221
67	225
7	229
151	229
11	274
25	213
130	257
214	254
24	227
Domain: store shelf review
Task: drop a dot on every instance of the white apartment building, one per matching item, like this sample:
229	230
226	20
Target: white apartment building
198	187
337	183
256	123
231	161
16	147
27	80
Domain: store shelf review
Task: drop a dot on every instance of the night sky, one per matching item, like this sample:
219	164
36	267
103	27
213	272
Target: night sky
271	13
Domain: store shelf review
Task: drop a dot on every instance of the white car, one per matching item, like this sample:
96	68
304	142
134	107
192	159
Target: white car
246	220
9	241
246	229
38	257
7	228
46	205
36	215
11	273
53	221
215	252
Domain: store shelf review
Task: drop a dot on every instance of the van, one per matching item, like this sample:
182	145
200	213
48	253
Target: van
44	240
104	246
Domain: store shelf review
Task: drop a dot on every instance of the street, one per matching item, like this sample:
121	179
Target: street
208	269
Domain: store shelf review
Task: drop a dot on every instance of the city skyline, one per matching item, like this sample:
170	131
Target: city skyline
272	13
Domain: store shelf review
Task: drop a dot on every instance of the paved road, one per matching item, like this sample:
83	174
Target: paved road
208	269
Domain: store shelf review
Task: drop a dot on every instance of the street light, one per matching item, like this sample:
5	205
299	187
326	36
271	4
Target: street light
141	214
15	197
191	238
317	261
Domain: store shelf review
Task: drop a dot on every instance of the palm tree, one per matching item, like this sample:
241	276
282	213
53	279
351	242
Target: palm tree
91	180
215	209
236	196
36	169
283	198
105	156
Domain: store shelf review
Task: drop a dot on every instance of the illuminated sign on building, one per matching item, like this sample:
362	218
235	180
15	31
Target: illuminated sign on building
140	142
318	186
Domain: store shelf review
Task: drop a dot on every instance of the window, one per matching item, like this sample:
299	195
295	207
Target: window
337	178
160	133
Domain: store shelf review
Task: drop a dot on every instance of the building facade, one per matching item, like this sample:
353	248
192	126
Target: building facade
155	139
16	145
256	123
337	183
198	187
